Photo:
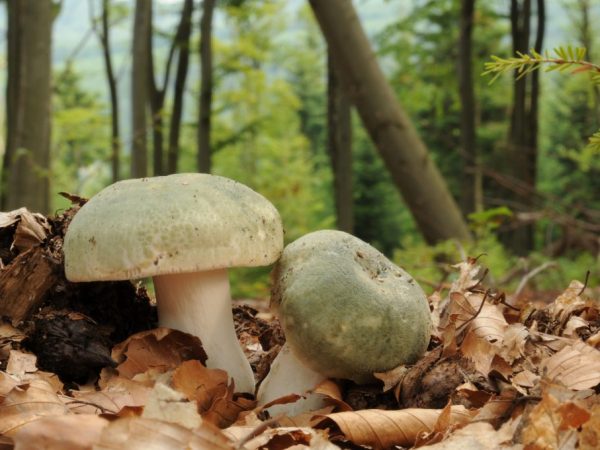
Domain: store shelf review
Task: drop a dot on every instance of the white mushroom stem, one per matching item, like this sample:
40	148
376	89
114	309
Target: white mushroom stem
199	303
288	375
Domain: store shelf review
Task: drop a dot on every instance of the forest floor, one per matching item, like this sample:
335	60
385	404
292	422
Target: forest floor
83	366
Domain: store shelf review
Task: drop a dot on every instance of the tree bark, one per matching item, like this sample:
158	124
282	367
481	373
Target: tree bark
340	148
183	47
586	40
26	164
206	82
522	140
404	153
115	141
140	87
469	153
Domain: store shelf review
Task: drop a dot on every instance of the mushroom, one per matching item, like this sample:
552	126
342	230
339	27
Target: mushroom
346	311
184	231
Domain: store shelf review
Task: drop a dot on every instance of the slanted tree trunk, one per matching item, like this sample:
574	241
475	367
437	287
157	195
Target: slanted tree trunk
339	125
115	141
26	165
140	87
206	87
392	132
183	47
470	181
522	139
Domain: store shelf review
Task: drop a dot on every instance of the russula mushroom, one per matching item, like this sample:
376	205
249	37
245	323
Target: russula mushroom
346	311
184	231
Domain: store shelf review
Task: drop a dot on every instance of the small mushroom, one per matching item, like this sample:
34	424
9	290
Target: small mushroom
184	231
346	311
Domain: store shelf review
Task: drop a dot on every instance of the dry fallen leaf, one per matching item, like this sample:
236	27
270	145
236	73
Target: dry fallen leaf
32	228
114	395
478	436
171	406
576	366
71	432
589	437
212	392
137	433
554	421
280	438
28	402
383	429
479	350
159	349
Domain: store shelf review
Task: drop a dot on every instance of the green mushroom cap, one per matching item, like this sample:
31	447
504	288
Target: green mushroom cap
346	310
187	222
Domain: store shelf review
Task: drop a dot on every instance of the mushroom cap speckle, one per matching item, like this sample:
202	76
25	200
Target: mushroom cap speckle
346	310
171	224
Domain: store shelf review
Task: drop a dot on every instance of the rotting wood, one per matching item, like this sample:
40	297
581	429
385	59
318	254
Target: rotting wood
25	283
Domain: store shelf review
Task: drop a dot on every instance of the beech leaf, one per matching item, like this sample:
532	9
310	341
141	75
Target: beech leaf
383	429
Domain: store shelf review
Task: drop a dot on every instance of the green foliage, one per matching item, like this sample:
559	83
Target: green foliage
80	139
564	59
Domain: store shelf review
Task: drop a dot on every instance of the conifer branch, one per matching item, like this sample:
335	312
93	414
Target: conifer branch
564	59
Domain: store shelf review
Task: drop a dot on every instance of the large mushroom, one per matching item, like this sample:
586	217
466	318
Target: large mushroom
347	312
184	231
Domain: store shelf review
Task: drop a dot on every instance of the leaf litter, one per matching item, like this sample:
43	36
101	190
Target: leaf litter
496	375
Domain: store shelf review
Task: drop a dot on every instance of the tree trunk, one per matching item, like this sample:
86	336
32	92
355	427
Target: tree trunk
585	37
112	87
183	46
140	87
206	81
340	148
522	140
26	165
469	153
396	139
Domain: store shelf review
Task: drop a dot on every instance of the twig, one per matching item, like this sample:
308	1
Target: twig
585	283
532	273
257	431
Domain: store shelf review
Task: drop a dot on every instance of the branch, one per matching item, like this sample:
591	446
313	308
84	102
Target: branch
565	58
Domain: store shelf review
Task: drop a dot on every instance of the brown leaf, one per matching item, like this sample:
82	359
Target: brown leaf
199	383
71	432
32	228
28	402
116	394
478	436
484	319
279	438
479	350
577	366
137	433
589	437
20	363
212	392
171	406
384	429
553	422
332	394
160	349
468	275
567	303
391	378
514	341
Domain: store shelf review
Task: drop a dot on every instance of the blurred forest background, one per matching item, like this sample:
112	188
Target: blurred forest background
102	90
